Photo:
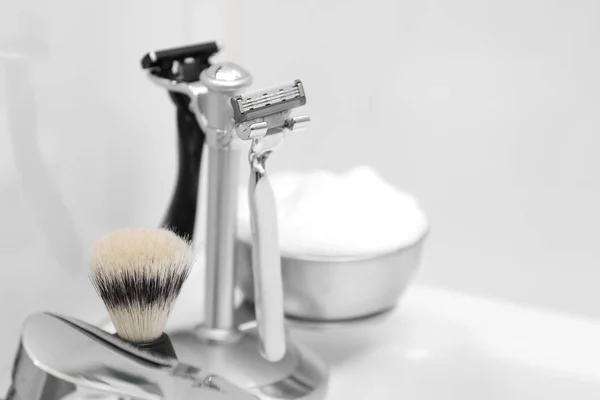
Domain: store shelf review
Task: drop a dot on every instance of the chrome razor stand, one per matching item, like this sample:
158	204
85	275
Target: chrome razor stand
227	342
222	82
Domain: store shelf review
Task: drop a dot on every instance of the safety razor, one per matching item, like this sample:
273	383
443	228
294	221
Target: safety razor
181	68
268	110
263	117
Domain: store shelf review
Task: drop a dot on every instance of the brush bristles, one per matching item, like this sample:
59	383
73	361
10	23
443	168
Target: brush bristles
139	273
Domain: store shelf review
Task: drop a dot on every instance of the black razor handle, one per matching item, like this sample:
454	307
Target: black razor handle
181	214
189	61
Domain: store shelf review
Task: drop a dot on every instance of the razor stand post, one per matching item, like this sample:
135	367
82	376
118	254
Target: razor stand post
222	81
223	171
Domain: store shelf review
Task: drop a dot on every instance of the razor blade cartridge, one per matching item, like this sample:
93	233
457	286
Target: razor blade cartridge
260	104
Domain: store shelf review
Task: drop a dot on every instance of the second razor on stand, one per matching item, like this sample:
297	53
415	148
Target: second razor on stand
183	65
264	117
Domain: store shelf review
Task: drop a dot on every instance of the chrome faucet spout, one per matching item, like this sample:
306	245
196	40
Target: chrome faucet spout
58	355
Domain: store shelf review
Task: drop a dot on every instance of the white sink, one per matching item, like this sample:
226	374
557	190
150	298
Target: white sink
439	344
443	345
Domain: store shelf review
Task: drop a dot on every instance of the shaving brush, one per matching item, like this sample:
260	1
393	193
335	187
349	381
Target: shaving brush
138	273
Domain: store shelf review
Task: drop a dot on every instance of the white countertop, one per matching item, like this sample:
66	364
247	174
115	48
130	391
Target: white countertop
445	345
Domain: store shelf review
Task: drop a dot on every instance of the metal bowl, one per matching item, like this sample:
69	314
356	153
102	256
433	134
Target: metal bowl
337	289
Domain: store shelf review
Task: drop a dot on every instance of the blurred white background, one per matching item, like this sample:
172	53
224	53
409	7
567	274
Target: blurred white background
486	110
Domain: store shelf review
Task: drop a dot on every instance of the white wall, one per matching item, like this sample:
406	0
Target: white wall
486	110
87	144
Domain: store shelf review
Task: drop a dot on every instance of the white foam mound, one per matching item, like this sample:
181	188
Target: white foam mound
324	214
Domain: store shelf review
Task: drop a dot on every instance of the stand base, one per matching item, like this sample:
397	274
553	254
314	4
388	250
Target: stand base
299	375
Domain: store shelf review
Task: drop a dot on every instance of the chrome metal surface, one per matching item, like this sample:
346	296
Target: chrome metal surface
59	354
210	99
337	290
325	325
299	375
266	261
223	81
194	90
226	77
253	130
298	123
223	168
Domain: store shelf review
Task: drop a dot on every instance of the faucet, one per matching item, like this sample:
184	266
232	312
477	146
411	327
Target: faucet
251	350
61	356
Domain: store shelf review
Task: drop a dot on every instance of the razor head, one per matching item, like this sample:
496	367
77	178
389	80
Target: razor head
160	57
260	104
180	63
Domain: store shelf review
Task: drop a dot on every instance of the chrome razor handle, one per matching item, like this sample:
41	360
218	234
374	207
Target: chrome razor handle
264	117
266	262
58	355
